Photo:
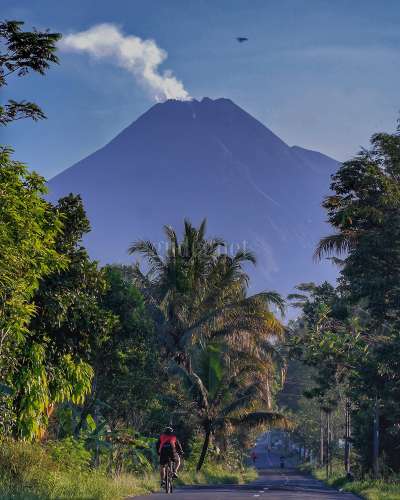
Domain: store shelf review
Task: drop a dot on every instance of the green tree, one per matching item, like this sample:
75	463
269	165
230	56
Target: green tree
69	314
28	232
365	212
69	326
54	362
127	371
22	52
328	338
30	254
198	293
225	393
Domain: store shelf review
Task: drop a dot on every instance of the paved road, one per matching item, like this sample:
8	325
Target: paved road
272	484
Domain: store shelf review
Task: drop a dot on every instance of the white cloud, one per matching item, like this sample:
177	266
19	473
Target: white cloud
141	58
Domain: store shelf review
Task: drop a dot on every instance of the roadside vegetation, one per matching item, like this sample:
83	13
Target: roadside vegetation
344	348
61	469
370	489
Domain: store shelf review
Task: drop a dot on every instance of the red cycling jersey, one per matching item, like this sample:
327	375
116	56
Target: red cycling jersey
167	439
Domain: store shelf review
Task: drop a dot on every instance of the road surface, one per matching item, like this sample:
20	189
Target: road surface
272	484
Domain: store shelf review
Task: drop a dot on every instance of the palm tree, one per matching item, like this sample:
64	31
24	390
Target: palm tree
198	293
226	391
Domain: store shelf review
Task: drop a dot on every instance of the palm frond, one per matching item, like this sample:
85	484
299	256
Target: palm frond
172	237
263	418
202	229
193	383
268	298
201	389
241	403
338	262
245	256
308	287
149	251
143	283
338	244
296	296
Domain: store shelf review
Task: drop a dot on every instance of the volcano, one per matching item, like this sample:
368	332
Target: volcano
207	159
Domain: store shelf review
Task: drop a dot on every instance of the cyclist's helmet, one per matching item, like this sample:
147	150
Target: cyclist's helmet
168	430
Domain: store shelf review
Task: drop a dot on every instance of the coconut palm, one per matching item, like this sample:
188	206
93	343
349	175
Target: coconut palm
198	293
225	392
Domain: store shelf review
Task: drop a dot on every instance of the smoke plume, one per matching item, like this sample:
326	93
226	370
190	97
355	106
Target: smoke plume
141	58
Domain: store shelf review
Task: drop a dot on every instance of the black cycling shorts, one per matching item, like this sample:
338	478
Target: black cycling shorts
168	454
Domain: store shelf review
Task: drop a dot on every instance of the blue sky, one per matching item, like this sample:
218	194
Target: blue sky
321	74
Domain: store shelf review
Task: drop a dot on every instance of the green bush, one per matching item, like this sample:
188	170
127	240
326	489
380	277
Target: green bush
71	454
30	471
369	489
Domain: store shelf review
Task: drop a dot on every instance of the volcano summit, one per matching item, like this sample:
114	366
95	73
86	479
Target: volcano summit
206	159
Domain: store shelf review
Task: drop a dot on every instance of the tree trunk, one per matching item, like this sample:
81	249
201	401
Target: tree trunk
203	454
268	393
347	438
328	444
321	438
82	419
375	440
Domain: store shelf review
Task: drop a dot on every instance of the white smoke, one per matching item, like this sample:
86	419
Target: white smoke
141	58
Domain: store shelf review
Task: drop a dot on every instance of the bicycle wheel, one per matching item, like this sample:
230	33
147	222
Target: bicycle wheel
168	478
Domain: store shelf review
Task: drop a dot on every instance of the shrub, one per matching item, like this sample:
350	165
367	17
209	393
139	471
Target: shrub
60	470
70	453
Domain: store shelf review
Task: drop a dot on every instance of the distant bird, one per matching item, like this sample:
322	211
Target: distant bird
242	39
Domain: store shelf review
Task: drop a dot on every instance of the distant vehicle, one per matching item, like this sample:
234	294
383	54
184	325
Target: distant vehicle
242	39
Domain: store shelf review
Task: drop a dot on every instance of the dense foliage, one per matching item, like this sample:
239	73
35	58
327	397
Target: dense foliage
350	335
93	358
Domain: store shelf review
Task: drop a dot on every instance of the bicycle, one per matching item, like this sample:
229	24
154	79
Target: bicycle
169	476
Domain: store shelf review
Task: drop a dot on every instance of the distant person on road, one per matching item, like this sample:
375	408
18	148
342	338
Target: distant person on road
254	456
282	461
169	448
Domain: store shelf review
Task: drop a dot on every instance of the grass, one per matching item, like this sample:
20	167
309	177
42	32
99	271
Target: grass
33	472
369	489
217	474
89	486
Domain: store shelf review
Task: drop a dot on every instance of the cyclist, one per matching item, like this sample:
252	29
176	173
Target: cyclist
169	448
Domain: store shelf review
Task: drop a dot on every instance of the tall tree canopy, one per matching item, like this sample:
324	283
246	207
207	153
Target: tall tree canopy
364	209
29	228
